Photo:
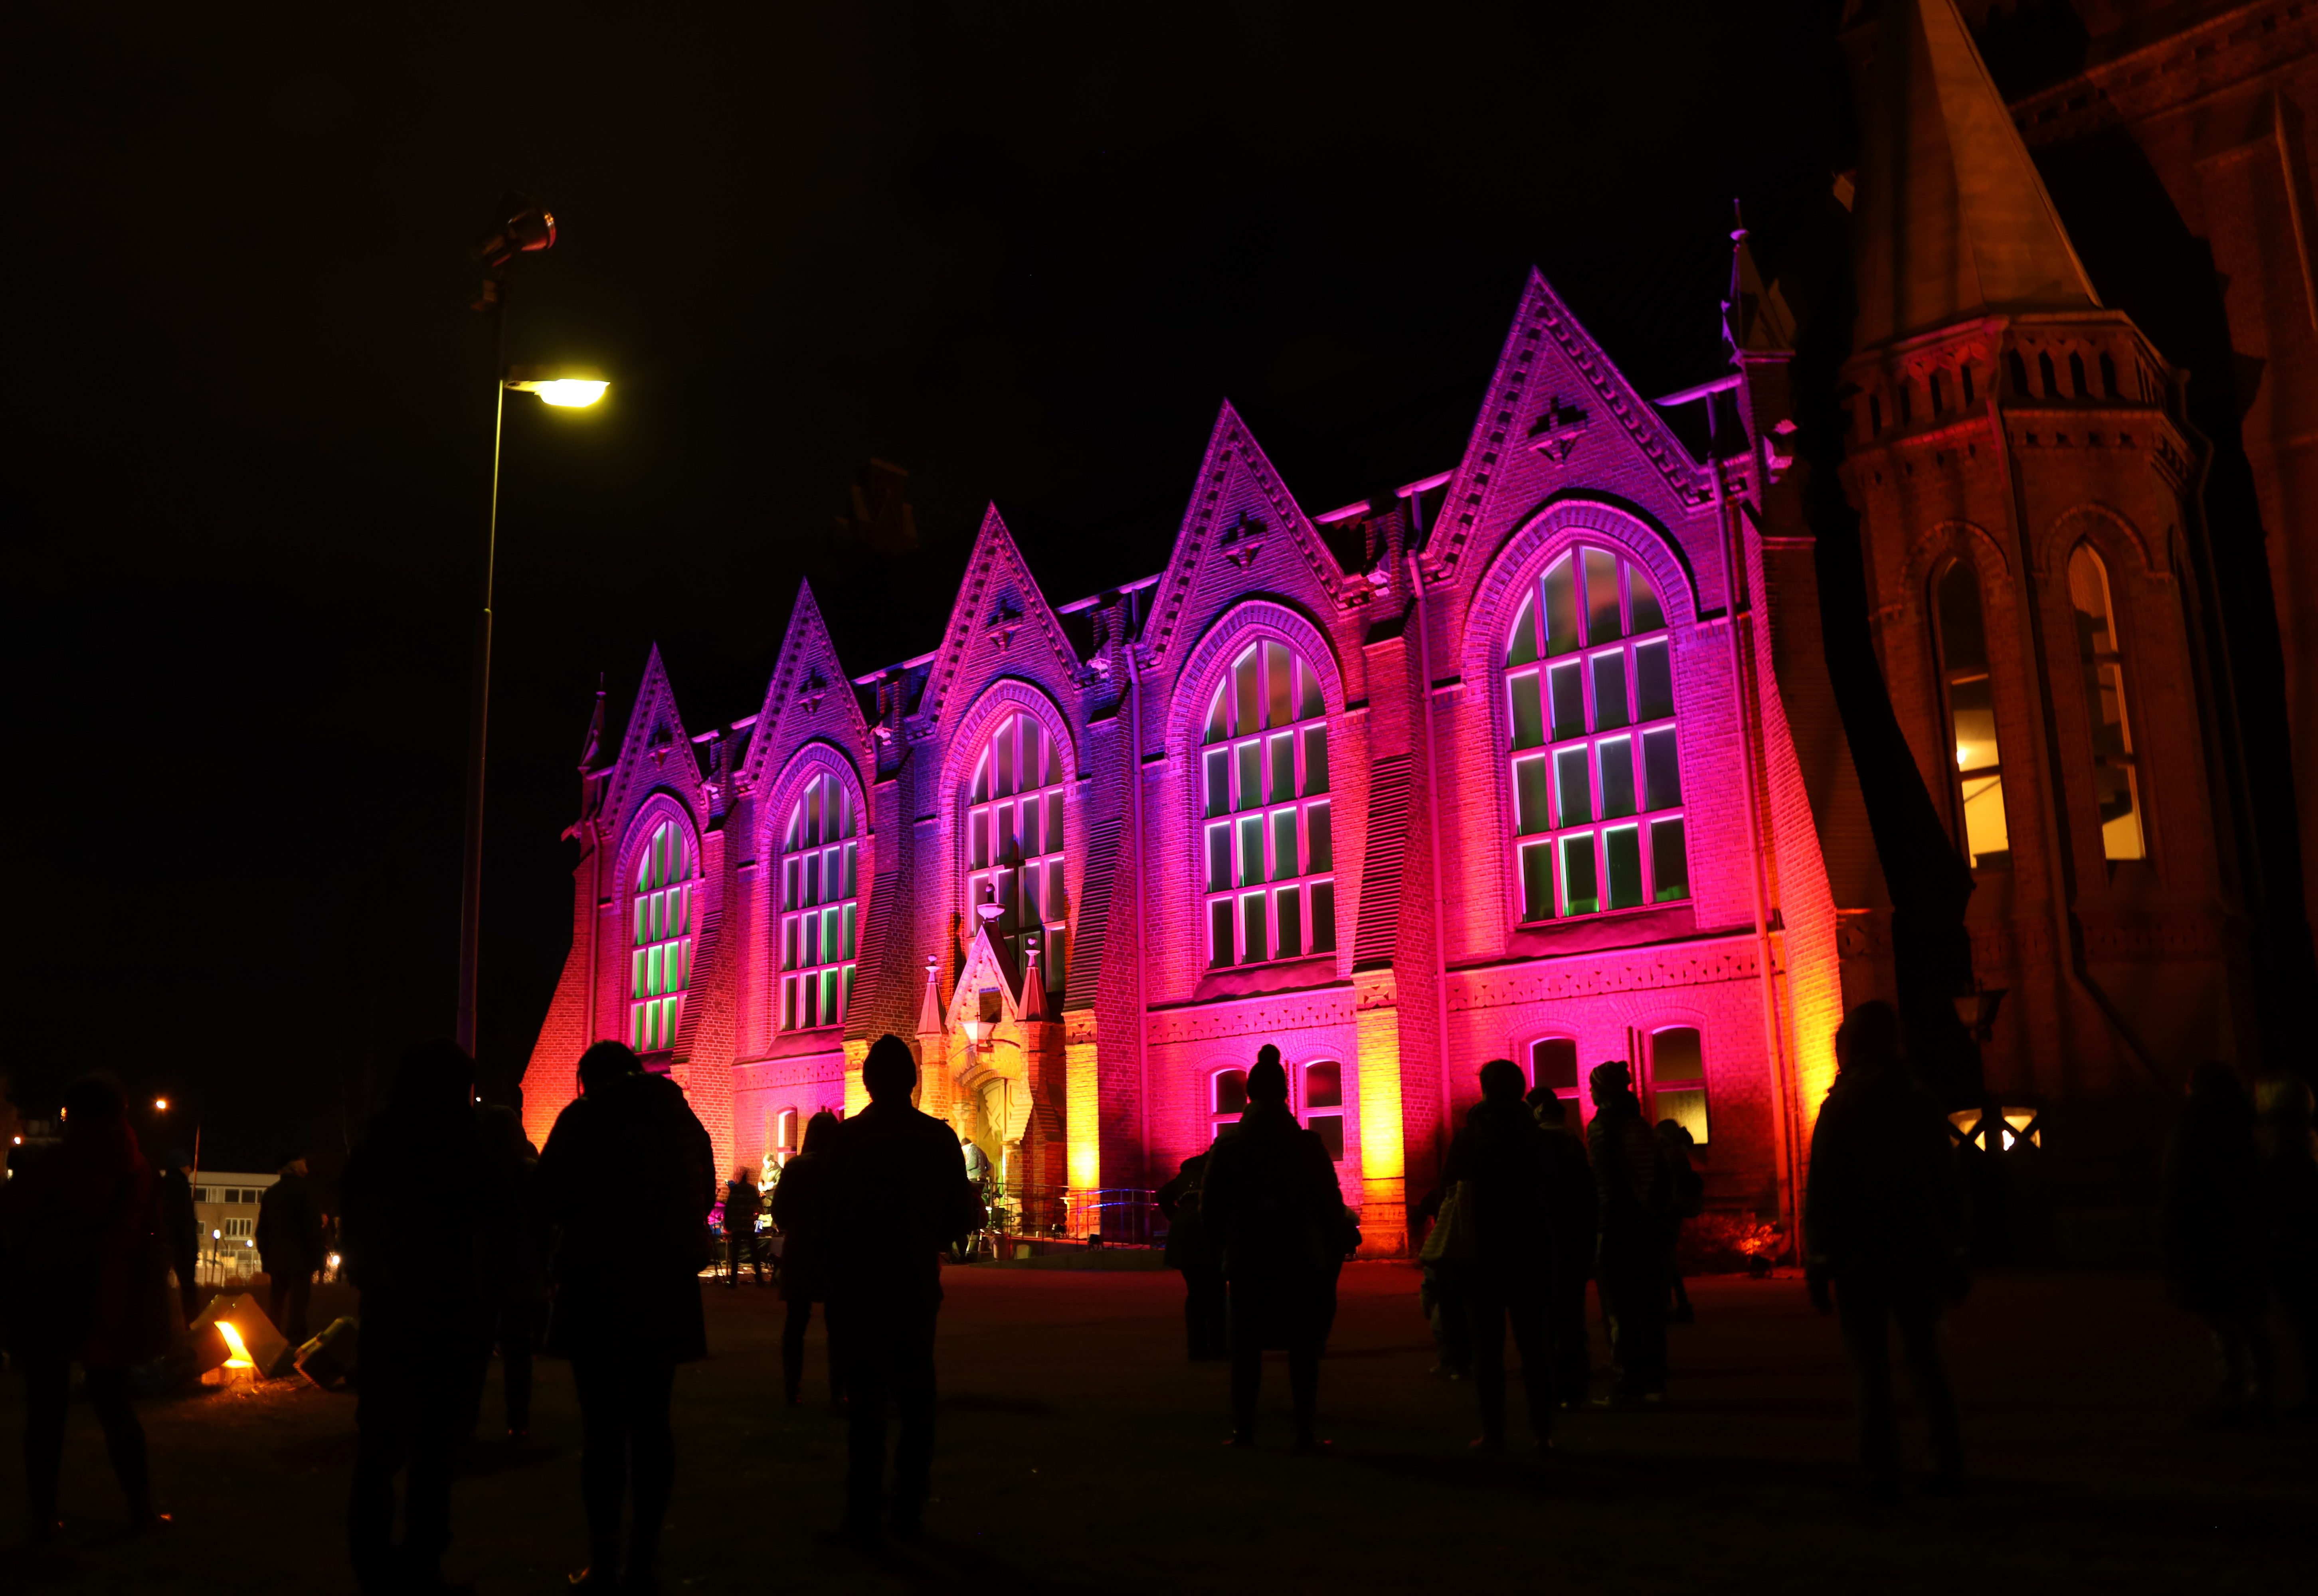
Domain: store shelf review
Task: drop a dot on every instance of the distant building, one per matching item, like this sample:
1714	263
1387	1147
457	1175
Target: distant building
225	1201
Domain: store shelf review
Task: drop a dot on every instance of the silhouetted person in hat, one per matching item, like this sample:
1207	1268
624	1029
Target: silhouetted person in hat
626	1180
1500	1158
417	1191
1571	1203
2212	1233
181	1228
1883	1216
898	1195
1635	1190
800	1211
290	1247
85	1284
1271	1200
1191	1253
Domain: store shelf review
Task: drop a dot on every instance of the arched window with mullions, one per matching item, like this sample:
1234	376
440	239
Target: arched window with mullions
665	905
1014	843
1970	692
2116	774
1597	814
1267	839
820	884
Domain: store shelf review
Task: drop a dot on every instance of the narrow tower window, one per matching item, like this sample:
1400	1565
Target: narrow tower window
662	906
2117	779
2046	377
2077	389
1977	793
2109	376
1267	839
821	890
2018	369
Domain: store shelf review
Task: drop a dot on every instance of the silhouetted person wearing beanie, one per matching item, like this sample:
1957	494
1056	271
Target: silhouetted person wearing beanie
1500	1156
2212	1232
1635	1193
898	1197
1271	1201
1883	1216
1571	1202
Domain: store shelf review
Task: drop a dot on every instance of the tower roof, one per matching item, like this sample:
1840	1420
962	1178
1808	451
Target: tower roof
1954	221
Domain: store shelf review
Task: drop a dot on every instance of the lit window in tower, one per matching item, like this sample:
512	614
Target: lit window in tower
1978	794
819	888
1268	855
665	905
1596	777
2117	785
1014	854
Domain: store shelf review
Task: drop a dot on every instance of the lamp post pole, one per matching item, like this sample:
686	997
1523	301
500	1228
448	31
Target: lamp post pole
479	711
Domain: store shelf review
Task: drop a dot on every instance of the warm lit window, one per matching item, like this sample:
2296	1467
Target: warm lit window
821	889
1014	843
667	903
2117	779
1553	1064
1678	1080
1324	1105
1979	791
784	1134
1226	1098
1268	854
1597	814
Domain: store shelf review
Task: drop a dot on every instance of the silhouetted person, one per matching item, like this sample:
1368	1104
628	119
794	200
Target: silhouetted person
181	1228
83	1224
1635	1191
898	1195
2289	1190
1443	1239
1191	1253
1884	1220
1572	1204
418	1192
800	1201
627	1178
1689	1203
1271	1201
517	1261
2212	1233
1500	1158
290	1247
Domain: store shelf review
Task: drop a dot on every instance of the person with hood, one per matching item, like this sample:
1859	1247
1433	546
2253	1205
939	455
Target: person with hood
2289	1194
1634	1190
88	1285
516	1264
798	1200
290	1247
418	1198
742	1203
2211	1236
1571	1202
181	1229
1884	1216
1271	1201
897	1197
1191	1254
1499	1158
627	1178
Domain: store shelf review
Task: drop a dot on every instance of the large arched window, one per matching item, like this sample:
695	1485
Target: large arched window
1267	839
2117	785
1978	770
1014	842
666	904
1596	777
819	888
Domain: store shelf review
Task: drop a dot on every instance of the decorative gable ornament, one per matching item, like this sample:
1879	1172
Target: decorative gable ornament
1559	427
1004	617
815	688
1242	540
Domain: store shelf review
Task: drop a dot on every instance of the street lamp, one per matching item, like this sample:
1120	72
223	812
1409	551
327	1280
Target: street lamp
525	227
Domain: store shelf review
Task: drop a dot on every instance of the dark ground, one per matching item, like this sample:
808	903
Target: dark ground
1079	1451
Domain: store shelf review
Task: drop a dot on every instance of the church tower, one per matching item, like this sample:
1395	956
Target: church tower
2035	567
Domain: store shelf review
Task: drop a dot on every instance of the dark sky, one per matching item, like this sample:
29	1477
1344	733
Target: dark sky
1022	250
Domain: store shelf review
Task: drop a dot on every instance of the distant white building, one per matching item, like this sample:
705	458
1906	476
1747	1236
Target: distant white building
225	1202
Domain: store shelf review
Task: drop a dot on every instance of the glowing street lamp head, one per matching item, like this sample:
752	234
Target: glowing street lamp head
564	387
161	1105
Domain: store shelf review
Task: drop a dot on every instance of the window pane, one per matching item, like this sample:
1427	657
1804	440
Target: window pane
1315	759
850	912
812	990
653	975
1653	682
1609	690
1669	866
1537	883
812	878
1218	717
1648	615
1573	795
852	869
1031	886
1053	805
1283	767
1561	606
1280	686
1986	837
1528	716
1317	838
1553	1063
1661	770
1674	1055
788	944
1286	864
2117	793
1617	760
1530	813
1219	933
1057	885
810	953
1309	707
1330	1129
789	1004
1054	763
1218	782
1600	595
1324	1086
1963	642
1250	929
828	996
1569	702
1686	1108
1973	702
1246	699
1230	1091
1288	909
1219	857
977	839
1579	888
1522	649
637	973
982	780
1249	756
1250	850
1324	917
1624	847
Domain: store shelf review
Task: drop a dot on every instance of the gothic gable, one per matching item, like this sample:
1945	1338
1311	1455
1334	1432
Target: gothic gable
1001	623
655	752
807	696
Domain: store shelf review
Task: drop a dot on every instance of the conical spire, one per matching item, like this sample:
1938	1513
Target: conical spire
1954	220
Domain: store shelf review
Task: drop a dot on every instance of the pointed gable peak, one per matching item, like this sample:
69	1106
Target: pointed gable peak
806	676
1954	220
655	732
998	602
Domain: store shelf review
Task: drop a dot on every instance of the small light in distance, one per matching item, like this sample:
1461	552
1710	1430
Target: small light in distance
571	393
161	1104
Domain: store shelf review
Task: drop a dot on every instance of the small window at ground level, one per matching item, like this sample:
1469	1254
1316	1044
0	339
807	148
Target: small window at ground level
1678	1080
1553	1062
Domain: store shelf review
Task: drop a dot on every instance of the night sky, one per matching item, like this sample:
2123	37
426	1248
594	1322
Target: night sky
1017	250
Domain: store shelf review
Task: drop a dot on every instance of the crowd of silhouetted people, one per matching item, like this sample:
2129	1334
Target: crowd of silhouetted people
462	1238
